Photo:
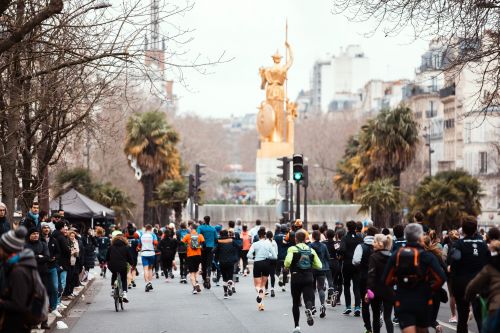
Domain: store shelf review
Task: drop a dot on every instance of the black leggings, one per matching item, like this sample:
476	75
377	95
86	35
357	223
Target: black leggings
280	269
182	263
376	305
350	274
319	280
244	258
206	262
123	277
301	284
226	271
272	271
365	309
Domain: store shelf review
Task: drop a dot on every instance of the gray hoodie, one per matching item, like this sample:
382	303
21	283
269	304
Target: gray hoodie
358	252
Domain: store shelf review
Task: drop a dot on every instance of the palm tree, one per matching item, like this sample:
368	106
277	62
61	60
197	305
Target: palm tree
151	141
116	199
172	194
78	178
394	142
382	197
447	197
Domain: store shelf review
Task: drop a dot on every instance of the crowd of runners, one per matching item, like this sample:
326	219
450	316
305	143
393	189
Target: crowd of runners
386	277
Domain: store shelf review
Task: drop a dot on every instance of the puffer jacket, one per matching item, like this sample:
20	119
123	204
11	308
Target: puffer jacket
227	251
377	262
488	279
118	255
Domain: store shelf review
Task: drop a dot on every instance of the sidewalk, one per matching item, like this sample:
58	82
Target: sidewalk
80	292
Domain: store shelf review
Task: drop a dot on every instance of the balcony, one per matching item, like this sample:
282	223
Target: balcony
447	91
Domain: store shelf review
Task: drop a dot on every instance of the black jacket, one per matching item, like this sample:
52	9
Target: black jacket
227	251
168	248
4	225
64	249
347	246
16	287
118	255
42	256
89	245
54	252
377	262
467	257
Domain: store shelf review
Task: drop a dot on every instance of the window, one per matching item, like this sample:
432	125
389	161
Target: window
434	84
467	132
483	162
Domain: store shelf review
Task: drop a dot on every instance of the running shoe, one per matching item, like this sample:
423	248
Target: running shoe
157	275
453	320
260	296
395	321
261	307
296	330
347	311
172	275
207	281
357	311
198	288
322	311
280	282
267	292
133	284
124	297
225	296
146	288
314	311
150	286
309	316
195	291
334	300
283	289
229	288
272	293
233	290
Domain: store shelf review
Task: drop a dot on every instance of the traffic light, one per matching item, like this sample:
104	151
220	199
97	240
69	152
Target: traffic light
191	187
285	176
198	181
298	167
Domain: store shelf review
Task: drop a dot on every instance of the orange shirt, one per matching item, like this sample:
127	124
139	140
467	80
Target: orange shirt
247	241
187	240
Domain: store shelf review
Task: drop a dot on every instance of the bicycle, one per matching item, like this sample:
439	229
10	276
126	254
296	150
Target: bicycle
118	291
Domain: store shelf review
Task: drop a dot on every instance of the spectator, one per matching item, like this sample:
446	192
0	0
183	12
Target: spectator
32	218
64	257
4	222
52	265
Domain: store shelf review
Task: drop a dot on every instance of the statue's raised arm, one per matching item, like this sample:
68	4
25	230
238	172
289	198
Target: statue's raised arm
262	73
289	59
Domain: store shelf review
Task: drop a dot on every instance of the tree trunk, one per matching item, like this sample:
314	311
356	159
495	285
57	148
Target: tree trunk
148	185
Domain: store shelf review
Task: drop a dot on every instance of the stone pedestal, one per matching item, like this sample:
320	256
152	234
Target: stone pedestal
267	169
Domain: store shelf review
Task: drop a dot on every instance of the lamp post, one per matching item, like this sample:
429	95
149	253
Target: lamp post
427	137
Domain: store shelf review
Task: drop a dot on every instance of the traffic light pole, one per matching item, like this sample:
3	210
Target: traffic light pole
297	209
306	184
292	217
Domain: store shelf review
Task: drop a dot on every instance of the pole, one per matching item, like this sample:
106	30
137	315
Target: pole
196	212
430	157
306	185
286	84
292	217
297	209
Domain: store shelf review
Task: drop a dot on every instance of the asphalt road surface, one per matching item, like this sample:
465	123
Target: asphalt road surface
171	308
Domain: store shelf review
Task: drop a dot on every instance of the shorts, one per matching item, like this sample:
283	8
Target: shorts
148	261
193	263
261	268
414	315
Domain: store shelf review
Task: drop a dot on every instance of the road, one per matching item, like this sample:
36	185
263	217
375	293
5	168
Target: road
171	307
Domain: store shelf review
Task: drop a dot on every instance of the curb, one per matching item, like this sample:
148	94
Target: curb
53	320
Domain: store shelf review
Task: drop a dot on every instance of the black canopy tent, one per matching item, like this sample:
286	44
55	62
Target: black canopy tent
79	207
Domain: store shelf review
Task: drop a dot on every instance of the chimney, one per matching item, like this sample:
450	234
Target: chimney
169	87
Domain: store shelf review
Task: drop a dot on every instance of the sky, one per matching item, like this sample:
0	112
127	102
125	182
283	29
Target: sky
251	31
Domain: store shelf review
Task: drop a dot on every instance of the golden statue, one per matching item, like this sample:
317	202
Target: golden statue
273	116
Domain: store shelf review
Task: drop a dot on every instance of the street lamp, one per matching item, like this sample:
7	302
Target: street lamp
427	137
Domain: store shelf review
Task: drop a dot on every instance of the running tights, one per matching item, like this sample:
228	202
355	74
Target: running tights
302	284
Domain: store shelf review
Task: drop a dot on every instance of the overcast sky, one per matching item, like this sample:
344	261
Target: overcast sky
251	31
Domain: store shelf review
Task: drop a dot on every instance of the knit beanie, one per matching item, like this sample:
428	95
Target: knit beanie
13	240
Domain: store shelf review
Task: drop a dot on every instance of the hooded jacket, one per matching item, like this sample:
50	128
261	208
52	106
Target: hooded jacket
64	249
118	255
168	248
16	286
42	255
347	247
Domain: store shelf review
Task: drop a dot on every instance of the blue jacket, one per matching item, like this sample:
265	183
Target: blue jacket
209	233
323	255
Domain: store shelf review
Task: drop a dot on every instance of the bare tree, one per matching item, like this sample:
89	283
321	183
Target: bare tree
468	30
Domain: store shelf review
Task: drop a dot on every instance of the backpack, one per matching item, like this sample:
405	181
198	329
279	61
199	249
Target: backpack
193	242
39	304
408	271
304	261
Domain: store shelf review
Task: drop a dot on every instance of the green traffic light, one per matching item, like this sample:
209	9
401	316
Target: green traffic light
297	176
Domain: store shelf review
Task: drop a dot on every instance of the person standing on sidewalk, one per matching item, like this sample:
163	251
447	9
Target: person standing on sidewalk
210	236
194	242
301	260
148	244
52	265
4	222
64	258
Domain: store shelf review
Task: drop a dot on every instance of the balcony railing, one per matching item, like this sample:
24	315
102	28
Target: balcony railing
447	91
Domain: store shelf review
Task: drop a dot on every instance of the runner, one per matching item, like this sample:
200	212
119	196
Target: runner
261	251
281	271
147	245
181	250
210	237
273	263
332	275
320	274
103	244
247	242
301	260
133	242
194	241
168	248
226	253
